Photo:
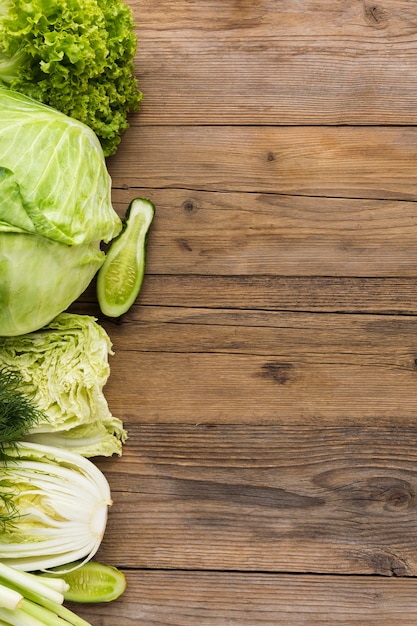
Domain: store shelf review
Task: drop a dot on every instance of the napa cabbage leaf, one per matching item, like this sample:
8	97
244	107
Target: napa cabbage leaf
61	502
63	369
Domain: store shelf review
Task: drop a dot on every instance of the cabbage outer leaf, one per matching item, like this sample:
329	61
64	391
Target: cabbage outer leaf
53	177
39	278
55	210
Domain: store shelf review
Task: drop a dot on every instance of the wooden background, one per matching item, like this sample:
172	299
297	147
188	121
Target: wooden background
268	372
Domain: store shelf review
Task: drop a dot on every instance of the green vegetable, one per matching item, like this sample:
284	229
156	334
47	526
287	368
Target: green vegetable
18	413
76	56
61	500
91	582
55	209
31	600
120	278
63	369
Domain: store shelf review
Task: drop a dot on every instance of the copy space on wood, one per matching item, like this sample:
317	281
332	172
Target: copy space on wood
246	497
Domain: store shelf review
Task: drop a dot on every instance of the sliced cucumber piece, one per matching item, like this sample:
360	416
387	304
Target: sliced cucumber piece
120	277
91	582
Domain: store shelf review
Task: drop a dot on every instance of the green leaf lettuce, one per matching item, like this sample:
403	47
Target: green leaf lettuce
75	55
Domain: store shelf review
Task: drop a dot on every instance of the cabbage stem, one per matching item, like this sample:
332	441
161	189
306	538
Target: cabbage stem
61	499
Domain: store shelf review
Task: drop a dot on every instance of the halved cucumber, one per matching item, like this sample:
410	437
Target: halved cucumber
120	277
91	582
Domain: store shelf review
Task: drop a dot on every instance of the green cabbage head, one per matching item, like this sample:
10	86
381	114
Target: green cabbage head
55	210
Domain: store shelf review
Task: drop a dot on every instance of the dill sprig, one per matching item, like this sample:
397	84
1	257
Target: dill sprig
17	411
8	507
17	416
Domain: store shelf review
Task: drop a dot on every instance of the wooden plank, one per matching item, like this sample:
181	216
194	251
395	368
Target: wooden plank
264	367
321	294
264	498
350	162
209	233
315	62
316	294
369	339
207	388
235	599
310	20
264	440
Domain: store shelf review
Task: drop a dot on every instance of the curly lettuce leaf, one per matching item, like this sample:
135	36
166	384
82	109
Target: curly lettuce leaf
76	56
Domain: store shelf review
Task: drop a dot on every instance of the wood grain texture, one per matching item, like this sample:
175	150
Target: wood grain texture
202	365
354	162
321	294
267	372
235	599
262	62
265	498
218	233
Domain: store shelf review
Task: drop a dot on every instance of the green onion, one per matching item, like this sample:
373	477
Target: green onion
28	600
9	598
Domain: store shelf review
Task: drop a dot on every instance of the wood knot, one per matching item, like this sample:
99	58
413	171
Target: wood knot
385	563
188	206
376	15
277	372
394	494
184	244
400	498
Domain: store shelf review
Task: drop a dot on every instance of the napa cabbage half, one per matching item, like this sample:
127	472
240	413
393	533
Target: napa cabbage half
63	369
55	210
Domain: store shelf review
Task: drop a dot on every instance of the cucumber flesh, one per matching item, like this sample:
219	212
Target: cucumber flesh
91	582
120	277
